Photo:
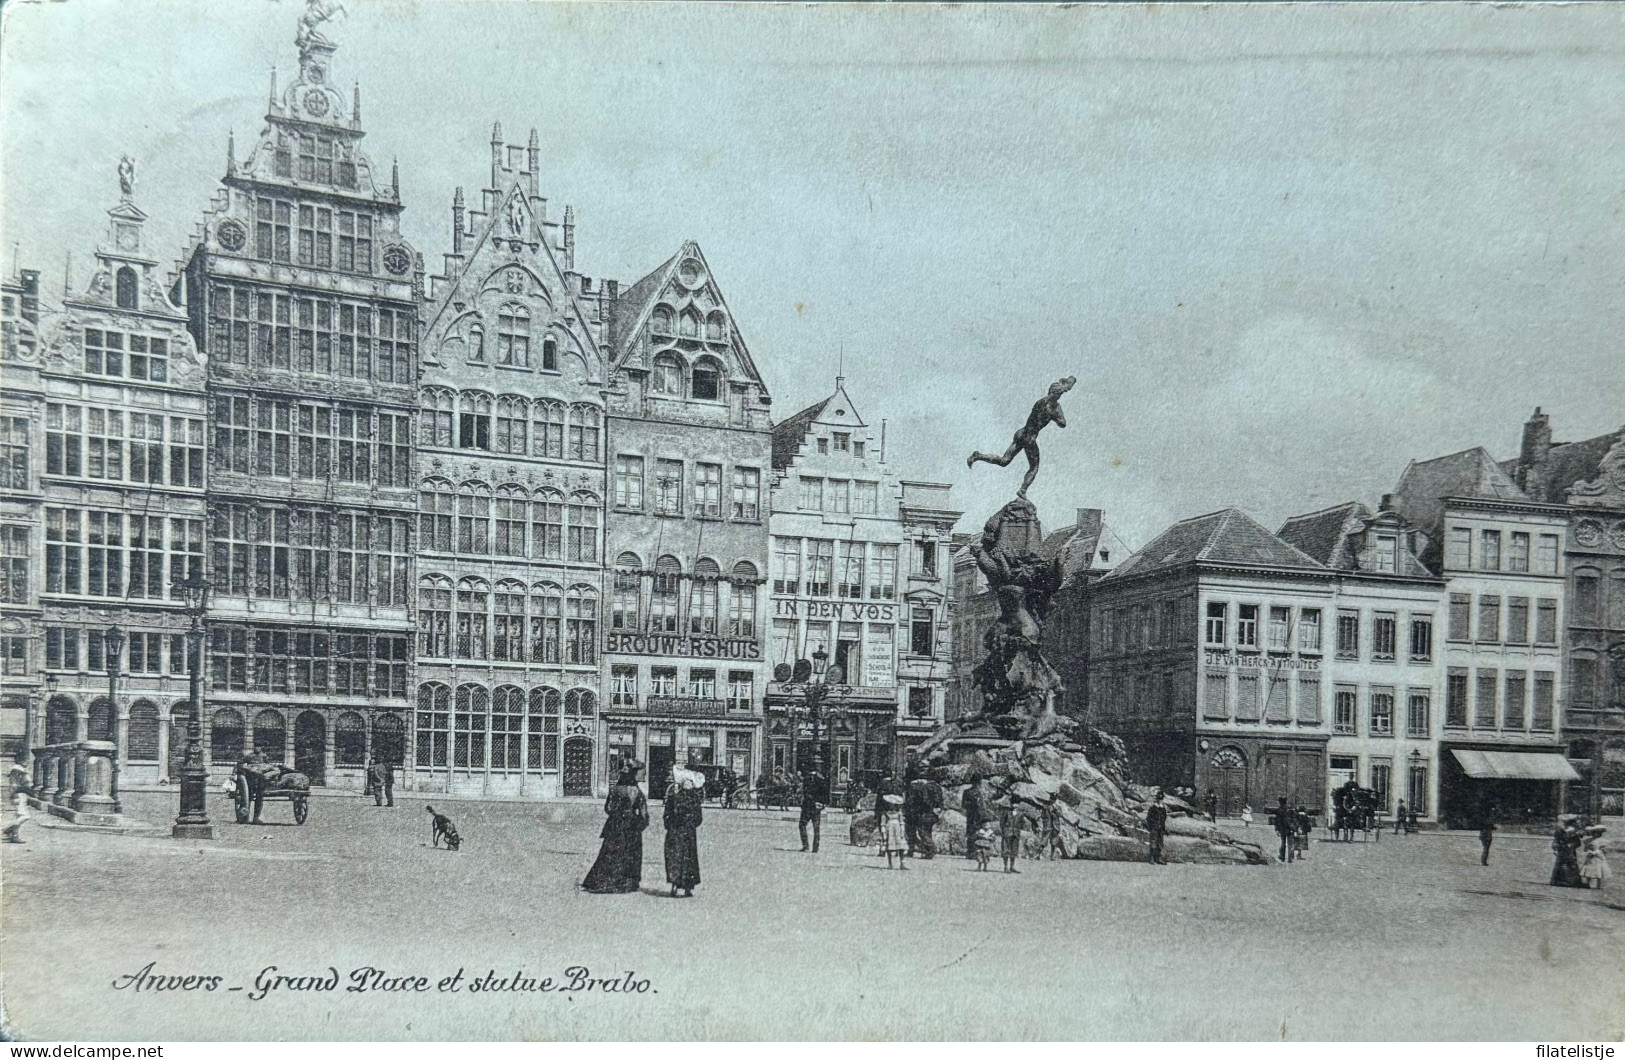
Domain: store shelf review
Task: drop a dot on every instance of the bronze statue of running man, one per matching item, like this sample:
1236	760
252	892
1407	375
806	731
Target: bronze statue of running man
1046	410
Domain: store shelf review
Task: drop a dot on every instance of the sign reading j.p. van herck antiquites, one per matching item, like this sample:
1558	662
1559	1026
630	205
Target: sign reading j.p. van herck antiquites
844	610
1250	661
627	643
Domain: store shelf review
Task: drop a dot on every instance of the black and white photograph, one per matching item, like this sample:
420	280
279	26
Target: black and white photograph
573	520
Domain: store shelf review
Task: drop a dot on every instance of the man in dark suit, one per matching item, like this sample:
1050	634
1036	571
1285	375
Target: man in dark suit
814	797
381	780
1156	823
1286	826
1212	804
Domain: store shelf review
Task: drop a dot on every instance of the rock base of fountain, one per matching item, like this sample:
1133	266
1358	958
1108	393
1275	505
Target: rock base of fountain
1076	792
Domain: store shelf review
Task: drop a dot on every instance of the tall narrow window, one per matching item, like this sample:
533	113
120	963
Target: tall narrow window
747	493
625	595
1384	634
742	600
547	526
474	519
708	490
473	599
663	599
1489	550
1213	632
703	598
582	537
667	378
513	335
585	421
1455	698
707	381
629	482
1309	630
126	293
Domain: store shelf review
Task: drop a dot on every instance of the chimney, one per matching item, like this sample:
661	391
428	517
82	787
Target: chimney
1536	452
1386	504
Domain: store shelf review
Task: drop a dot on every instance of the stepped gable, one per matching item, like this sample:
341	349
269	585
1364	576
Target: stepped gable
1228	538
788	435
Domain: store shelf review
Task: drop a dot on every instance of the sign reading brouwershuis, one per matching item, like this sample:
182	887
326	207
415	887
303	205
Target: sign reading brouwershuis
626	643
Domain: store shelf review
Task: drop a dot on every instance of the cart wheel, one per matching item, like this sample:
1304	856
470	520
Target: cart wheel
239	802
301	810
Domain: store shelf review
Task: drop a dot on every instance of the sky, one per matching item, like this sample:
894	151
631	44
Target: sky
1285	249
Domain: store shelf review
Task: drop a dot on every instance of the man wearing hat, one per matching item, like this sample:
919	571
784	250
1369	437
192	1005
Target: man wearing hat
1286	826
1156	823
814	797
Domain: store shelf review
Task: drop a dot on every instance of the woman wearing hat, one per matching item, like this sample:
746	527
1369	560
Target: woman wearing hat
682	817
619	868
1566	846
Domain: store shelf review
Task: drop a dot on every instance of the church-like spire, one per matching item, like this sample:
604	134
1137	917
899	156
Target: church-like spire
395	178
355	108
273	86
231	153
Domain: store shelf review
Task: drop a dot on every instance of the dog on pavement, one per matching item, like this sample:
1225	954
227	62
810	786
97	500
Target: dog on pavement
444	829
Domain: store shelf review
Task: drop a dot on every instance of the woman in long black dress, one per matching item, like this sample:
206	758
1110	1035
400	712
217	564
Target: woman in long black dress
682	818
619	868
1566	846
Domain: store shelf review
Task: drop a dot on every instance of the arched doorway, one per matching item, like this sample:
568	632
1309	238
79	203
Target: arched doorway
1227	778
310	746
578	766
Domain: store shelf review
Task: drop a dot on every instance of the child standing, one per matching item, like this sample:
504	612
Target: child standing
1011	821
890	833
1593	858
14	831
1247	816
982	844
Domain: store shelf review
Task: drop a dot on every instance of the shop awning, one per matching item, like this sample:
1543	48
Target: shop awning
1514	765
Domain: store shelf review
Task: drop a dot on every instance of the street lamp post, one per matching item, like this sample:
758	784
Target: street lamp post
193	820
112	649
816	689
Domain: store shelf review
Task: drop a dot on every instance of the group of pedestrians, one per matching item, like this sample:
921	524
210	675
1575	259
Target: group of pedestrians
619	866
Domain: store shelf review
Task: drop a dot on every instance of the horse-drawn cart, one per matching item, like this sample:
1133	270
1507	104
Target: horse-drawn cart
255	782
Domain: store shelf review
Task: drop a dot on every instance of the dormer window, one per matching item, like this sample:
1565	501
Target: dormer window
707	381
1385	554
125	288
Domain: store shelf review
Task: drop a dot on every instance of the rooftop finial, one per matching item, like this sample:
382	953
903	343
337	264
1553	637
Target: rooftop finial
395	177
355	108
457	198
231	153
535	142
496	132
273	84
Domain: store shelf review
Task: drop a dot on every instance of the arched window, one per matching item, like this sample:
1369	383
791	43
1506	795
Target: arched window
474	420
547	525
474	519
581	625
469	715
668	375
507	727
550	354
547	429
508	629
350	739
663	600
513	335
142	744
580	703
476	344
61	721
742	600
433	724
546	615
435	500
225	736
716	325
583	536
625	596
472	604
99	720
126	284
702	598
512	520
688	324
661	320
543	752
706	382
271	735
389	738
437	405
513	414
585	421
434	616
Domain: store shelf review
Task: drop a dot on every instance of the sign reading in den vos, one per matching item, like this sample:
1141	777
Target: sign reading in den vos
1249	661
841	610
628	643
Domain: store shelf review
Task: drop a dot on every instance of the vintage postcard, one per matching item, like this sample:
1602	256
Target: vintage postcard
591	521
